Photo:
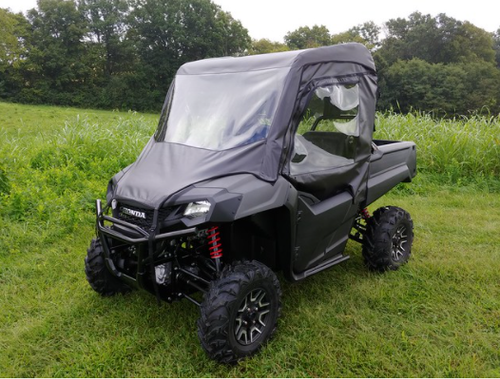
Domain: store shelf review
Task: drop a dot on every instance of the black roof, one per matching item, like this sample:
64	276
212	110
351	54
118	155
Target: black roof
348	53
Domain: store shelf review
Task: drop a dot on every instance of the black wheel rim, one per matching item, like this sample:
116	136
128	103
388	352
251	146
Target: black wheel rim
399	243
252	317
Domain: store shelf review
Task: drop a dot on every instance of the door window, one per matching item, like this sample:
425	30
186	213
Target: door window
328	133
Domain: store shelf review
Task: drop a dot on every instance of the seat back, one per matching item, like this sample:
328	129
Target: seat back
334	143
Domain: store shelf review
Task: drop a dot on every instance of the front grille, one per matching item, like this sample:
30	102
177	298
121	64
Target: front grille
126	213
141	217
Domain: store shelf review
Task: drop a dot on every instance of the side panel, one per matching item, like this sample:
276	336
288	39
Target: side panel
391	164
233	198
322	232
256	195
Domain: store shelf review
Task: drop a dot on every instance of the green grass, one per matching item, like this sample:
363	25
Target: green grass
456	150
437	316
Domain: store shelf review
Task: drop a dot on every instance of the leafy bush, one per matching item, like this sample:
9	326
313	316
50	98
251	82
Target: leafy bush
4	182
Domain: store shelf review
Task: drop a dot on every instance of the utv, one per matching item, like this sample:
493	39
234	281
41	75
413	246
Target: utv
259	164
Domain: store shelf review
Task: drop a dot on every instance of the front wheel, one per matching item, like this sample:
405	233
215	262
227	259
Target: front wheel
388	239
240	311
100	279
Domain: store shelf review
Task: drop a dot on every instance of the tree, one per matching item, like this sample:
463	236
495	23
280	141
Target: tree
14	30
169	33
12	47
115	59
496	46
306	37
458	88
58	69
346	37
471	44
437	64
440	39
106	26
482	85
369	33
264	46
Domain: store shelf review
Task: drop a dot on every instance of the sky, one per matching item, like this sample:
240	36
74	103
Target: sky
273	19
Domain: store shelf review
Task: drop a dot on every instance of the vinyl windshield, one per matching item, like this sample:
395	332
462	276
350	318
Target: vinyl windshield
221	111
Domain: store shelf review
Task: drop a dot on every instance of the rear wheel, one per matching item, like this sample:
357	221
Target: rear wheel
239	312
388	239
98	275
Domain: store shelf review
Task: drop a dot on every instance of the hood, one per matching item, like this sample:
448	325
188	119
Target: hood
164	169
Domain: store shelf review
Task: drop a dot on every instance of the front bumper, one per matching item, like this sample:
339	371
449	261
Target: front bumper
135	236
146	236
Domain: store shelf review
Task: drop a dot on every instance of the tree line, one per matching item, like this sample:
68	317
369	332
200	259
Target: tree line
123	54
109	53
432	64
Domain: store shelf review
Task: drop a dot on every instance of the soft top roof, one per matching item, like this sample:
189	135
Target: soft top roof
166	167
348	53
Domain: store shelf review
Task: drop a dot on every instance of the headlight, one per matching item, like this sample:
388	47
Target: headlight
197	209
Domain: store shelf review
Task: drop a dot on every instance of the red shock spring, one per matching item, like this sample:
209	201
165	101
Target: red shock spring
365	215
215	248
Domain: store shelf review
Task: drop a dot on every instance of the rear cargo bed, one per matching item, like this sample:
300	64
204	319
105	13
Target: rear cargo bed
392	162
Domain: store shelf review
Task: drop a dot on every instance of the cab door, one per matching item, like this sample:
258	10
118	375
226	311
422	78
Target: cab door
328	173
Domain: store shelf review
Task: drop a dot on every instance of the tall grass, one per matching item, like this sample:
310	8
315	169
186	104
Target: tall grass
454	149
51	172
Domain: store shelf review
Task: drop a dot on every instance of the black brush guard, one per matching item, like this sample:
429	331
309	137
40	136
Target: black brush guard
148	238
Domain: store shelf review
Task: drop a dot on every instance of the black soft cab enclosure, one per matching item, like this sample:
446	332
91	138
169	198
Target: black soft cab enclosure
259	164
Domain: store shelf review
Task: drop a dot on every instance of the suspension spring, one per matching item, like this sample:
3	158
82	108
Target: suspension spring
214	242
365	214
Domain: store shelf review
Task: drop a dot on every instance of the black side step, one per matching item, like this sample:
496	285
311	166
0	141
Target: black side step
332	262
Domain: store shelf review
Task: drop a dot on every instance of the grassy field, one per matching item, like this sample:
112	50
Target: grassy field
437	316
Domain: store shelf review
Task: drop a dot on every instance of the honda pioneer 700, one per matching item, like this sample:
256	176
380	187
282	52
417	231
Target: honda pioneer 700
259	164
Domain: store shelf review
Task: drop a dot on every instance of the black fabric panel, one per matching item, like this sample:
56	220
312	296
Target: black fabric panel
334	143
326	183
163	169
